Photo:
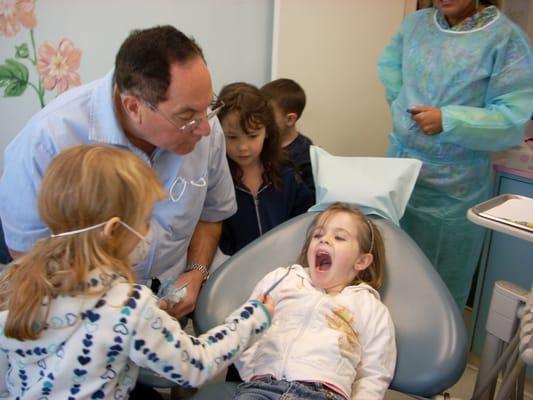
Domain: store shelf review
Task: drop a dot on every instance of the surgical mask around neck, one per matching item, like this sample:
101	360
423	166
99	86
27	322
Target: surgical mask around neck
139	252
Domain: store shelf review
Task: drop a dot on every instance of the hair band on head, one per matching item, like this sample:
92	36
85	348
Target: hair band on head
371	234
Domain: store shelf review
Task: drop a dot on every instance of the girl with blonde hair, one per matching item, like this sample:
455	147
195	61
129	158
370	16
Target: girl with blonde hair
331	337
73	323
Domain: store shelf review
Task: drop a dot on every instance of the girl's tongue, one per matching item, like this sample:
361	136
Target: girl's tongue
322	261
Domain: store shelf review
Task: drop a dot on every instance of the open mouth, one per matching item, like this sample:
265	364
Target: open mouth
322	260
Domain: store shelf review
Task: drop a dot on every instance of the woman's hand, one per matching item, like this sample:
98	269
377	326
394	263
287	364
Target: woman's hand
428	119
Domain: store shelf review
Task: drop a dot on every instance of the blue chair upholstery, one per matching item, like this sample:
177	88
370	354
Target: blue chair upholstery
430	332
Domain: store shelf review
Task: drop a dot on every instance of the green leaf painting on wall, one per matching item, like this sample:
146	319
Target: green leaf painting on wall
13	78
55	66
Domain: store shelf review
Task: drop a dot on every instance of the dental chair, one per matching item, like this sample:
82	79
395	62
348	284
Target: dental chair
430	333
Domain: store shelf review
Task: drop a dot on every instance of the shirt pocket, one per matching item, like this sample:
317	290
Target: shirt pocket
183	207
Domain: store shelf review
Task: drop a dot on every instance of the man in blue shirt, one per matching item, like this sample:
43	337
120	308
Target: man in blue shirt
158	103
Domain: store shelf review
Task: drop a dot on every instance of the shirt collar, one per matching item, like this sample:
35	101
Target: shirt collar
476	21
104	124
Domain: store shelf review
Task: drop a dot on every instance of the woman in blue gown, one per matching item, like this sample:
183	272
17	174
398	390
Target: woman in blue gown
459	81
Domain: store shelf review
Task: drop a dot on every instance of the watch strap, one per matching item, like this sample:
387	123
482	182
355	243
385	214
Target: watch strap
199	267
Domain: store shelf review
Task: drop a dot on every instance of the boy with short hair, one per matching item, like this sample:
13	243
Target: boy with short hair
287	99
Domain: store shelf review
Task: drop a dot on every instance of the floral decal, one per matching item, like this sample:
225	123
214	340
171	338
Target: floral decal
56	66
13	13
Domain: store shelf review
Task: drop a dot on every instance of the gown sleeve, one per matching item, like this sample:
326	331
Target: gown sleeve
500	123
389	68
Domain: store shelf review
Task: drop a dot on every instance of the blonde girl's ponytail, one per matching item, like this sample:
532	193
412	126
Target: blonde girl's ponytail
23	289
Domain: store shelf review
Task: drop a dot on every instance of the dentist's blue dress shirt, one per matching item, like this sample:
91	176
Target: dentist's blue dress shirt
200	181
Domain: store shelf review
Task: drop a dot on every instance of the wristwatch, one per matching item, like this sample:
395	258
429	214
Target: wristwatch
199	267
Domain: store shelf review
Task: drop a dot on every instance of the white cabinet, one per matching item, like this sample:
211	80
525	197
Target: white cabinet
504	258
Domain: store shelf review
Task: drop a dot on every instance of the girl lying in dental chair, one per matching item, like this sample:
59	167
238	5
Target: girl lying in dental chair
331	337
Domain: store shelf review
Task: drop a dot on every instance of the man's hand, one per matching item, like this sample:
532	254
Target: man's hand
187	305
428	119
202	248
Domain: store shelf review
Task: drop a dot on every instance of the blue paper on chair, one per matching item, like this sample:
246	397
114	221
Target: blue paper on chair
377	185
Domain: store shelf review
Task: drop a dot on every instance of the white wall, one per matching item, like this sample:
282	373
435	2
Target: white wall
329	46
521	12
236	36
331	49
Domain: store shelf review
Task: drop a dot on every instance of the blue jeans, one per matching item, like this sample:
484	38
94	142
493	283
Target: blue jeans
268	388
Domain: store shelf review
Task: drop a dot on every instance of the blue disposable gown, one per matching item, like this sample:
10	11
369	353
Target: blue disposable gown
482	81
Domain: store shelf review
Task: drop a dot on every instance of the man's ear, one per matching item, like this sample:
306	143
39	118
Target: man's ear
132	106
111	226
363	262
291	119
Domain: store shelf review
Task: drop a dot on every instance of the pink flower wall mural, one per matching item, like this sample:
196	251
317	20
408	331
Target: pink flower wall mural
14	13
55	66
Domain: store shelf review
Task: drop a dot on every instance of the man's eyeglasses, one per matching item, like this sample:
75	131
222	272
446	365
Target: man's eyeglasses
215	106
